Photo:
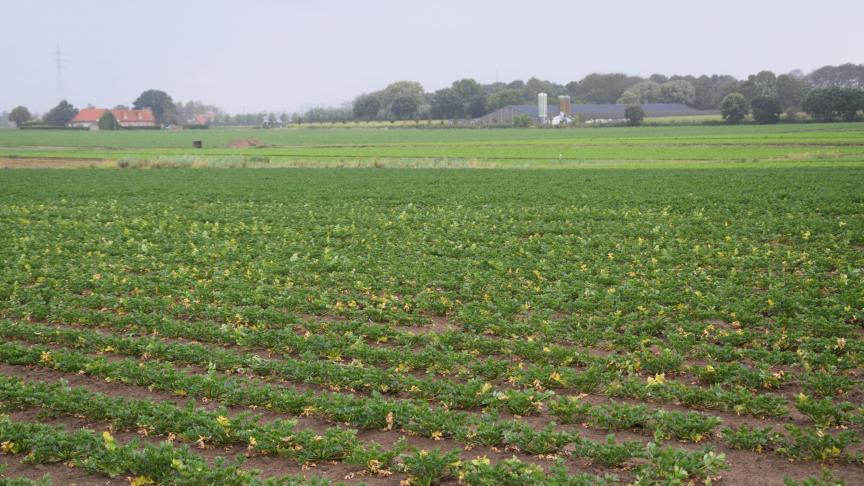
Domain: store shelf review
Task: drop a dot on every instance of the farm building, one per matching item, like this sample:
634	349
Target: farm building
204	118
89	118
584	112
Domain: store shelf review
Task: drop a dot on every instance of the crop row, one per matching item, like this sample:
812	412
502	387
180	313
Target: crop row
453	395
456	352
280	438
827	353
824	412
150	464
376	413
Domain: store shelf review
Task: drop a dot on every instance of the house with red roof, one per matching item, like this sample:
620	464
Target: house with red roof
89	118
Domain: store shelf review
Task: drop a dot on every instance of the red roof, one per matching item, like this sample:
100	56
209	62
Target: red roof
144	115
89	115
92	115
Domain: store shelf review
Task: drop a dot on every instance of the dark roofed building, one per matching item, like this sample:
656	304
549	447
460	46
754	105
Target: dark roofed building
587	112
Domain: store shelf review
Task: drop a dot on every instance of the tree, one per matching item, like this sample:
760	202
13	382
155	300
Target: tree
601	88
159	103
658	78
734	107
634	114
108	122
826	104
642	92
463	99
762	84
366	107
476	106
60	115
408	90
766	109
678	91
710	90
851	102
503	98
629	98
821	104
405	107
535	86
846	76
187	112
20	115
791	91
471	94
446	104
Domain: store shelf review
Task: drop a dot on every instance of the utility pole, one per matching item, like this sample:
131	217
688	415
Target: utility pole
59	61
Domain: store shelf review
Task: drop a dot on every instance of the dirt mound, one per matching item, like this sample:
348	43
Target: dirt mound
245	143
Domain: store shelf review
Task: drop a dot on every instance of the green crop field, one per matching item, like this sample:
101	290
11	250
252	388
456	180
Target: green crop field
780	145
677	305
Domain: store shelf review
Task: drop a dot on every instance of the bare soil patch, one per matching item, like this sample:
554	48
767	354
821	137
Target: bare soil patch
48	163
245	143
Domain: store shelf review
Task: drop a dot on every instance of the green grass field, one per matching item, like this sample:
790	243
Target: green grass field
686	307
784	145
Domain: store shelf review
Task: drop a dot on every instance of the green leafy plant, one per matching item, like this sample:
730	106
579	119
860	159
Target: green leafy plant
428	468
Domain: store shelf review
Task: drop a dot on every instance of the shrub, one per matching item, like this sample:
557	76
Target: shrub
522	121
634	114
108	122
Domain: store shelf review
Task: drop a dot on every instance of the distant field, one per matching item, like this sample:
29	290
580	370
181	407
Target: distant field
792	144
684	119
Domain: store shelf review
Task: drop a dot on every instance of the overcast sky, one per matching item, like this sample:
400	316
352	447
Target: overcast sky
271	55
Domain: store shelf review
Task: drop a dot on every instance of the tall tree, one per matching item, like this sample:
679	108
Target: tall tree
846	75
642	92
463	99
405	107
763	83
20	115
159	103
60	115
472	97
827	104
791	91
766	109
535	86
503	98
678	91
446	104
366	107
402	89
710	90
601	87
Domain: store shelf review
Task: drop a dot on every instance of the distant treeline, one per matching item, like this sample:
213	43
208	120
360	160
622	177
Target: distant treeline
835	92
467	98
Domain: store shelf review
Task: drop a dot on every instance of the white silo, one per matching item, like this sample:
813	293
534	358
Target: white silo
542	107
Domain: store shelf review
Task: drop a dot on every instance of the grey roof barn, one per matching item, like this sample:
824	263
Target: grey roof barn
505	115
